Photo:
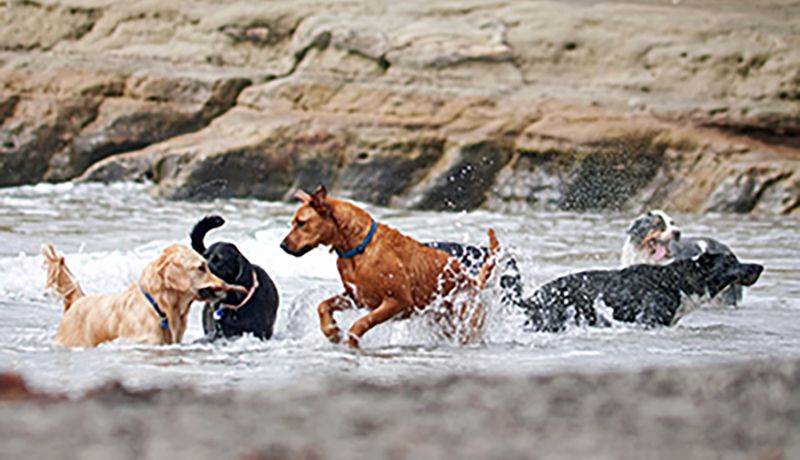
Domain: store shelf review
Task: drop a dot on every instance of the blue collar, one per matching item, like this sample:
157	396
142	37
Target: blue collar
161	315
360	248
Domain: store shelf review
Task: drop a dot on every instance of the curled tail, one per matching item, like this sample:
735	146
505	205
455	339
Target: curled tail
200	229
491	260
59	277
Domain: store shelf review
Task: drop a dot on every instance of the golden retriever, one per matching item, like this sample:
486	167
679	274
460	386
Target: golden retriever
152	310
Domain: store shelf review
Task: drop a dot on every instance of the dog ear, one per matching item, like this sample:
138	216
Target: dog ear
640	227
302	196
320	193
174	278
319	201
706	260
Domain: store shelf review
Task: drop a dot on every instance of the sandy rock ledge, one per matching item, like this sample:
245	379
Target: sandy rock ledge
571	105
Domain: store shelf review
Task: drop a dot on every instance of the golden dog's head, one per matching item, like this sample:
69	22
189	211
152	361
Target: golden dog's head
313	223
181	269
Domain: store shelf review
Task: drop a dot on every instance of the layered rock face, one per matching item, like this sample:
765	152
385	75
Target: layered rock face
512	106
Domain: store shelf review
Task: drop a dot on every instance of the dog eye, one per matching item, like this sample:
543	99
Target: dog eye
300	223
202	268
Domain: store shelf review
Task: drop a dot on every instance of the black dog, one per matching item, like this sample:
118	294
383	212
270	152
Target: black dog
652	295
473	258
237	313
686	248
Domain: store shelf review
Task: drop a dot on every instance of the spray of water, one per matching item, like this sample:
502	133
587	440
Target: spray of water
109	234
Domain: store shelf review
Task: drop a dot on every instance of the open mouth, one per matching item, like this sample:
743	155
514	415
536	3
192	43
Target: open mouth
219	292
657	245
658	249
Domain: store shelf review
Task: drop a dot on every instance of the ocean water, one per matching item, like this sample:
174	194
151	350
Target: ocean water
109	233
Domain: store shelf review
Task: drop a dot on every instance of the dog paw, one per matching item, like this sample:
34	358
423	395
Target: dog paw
333	333
353	340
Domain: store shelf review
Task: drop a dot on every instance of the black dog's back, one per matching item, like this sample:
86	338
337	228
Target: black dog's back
566	300
652	295
257	315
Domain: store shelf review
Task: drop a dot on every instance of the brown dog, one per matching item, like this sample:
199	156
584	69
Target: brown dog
385	271
152	310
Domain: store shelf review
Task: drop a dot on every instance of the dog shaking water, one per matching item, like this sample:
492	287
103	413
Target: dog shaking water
651	295
238	313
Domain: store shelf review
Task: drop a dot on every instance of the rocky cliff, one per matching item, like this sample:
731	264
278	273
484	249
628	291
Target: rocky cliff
576	105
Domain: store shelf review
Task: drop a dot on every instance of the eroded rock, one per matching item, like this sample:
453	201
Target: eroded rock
506	106
57	121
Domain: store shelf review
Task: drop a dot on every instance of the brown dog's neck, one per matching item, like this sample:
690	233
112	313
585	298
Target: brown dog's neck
353	224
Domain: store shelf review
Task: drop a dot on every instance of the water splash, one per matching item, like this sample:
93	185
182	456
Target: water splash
108	234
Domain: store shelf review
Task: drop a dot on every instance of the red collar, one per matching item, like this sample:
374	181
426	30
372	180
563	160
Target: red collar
249	293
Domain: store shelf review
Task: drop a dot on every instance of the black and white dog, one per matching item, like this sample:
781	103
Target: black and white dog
238	313
649	238
653	238
651	295
473	258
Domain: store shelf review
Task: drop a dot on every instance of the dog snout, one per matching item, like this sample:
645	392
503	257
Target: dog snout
295	252
211	293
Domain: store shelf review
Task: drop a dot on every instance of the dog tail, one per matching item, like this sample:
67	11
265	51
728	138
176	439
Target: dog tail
491	259
200	229
59	277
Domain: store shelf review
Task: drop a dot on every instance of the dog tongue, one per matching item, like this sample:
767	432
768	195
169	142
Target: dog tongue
659	253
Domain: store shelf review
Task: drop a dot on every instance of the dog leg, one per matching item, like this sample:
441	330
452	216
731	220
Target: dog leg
387	310
475	319
477	327
326	322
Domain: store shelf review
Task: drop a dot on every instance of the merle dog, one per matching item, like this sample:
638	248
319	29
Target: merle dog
651	295
237	313
653	238
473	258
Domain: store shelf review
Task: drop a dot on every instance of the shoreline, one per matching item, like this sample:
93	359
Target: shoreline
748	410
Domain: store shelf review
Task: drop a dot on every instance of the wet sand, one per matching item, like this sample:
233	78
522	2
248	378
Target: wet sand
733	411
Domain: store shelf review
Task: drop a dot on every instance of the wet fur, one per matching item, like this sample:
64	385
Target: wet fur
394	277
680	248
174	280
473	258
651	295
59	277
258	315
